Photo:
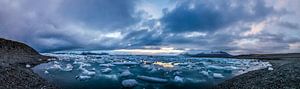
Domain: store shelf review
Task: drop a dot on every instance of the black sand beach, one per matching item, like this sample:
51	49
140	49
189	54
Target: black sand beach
285	75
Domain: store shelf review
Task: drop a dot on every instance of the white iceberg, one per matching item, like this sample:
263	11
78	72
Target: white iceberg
178	79
90	73
46	72
106	70
106	65
126	63
204	73
68	67
152	79
83	77
126	73
28	66
129	83
270	68
218	75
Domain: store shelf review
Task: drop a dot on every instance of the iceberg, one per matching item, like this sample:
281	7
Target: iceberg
152	79
129	83
126	73
83	77
204	73
126	63
86	72
270	68
68	67
106	65
178	79
106	70
218	75
27	66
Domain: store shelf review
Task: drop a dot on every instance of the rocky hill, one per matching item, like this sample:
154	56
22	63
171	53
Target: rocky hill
16	59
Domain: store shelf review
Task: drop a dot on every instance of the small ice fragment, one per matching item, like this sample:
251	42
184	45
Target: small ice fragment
106	65
69	67
217	75
178	79
126	73
55	66
152	79
51	59
83	77
106	70
270	68
129	83
86	72
204	73
46	72
28	66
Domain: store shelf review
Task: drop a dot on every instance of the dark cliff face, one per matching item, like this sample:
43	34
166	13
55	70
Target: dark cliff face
13	52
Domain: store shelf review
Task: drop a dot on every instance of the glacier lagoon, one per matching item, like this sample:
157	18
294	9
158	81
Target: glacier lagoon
97	71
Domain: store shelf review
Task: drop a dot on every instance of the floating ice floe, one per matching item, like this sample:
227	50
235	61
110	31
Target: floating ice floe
83	77
126	63
86	72
68	67
270	68
178	79
152	79
204	73
51	59
55	66
129	83
106	70
46	72
106	65
28	66
126	73
218	75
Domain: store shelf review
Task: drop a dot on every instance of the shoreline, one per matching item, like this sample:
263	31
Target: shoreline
285	75
17	59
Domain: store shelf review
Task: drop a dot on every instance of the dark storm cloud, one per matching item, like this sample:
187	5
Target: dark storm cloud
208	16
101	13
66	24
53	25
144	37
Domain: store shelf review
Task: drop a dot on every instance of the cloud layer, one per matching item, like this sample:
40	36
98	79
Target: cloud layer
248	26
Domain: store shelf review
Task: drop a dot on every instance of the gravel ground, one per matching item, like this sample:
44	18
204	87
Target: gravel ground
286	75
16	59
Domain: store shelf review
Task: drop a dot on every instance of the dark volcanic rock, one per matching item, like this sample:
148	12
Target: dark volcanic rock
14	57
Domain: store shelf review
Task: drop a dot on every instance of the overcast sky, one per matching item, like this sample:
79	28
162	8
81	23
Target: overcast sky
235	26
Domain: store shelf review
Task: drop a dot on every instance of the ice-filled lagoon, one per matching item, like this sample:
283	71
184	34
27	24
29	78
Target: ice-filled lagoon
93	71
